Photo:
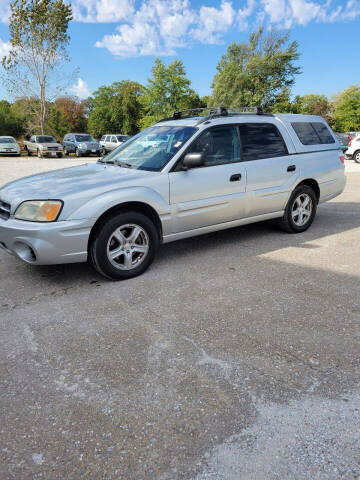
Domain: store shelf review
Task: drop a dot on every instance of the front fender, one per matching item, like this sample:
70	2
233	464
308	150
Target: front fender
98	205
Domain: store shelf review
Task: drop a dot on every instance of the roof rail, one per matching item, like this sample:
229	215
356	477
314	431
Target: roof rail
256	110
219	111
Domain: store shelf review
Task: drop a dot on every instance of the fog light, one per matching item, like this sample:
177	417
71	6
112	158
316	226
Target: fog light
25	252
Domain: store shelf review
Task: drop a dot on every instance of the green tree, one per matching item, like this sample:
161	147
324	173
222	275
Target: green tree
168	90
283	102
315	104
9	123
38	41
26	111
115	109
255	73
347	110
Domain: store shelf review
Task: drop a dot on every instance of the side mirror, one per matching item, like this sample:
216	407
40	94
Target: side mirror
193	160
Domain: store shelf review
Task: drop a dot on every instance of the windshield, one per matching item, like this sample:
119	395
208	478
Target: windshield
152	148
7	140
45	139
84	138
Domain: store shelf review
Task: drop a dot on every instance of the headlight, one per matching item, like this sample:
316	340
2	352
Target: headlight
39	210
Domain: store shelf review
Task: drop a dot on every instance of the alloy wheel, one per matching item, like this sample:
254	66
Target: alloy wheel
302	209
128	246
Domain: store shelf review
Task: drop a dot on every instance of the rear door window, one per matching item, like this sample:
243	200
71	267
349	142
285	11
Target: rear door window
312	133
261	140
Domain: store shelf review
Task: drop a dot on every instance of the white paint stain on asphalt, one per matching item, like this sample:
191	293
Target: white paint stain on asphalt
30	339
38	458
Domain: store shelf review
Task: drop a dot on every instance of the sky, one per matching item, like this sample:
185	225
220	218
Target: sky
113	40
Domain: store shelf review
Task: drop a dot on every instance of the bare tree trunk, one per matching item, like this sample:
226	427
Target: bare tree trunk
42	108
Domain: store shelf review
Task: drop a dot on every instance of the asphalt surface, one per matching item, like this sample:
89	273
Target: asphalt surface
236	356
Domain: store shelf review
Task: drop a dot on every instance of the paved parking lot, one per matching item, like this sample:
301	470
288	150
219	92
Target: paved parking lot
235	357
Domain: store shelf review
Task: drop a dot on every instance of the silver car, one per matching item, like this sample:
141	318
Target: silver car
110	142
81	144
182	177
8	146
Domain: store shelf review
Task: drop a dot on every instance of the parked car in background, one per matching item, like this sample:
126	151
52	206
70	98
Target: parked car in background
43	146
344	140
8	146
81	144
213	172
110	142
353	150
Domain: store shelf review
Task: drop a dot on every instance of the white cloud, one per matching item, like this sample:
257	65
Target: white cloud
287	13
81	89
243	14
157	28
4	48
214	22
102	11
160	27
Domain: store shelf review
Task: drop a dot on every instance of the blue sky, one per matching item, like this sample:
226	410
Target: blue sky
113	40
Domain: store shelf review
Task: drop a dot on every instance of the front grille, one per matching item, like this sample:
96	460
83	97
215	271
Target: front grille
4	210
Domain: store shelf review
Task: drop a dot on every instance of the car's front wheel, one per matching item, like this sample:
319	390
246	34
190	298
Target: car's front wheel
357	156
124	245
300	210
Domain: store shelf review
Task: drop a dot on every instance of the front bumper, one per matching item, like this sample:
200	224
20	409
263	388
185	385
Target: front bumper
90	151
11	152
46	243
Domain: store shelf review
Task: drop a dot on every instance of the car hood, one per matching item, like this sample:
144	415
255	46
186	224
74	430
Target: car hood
89	144
74	182
51	144
9	145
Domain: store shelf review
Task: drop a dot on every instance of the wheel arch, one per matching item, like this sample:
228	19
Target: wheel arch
310	182
134	206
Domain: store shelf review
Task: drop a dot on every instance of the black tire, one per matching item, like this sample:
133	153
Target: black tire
99	242
357	156
98	153
59	155
287	223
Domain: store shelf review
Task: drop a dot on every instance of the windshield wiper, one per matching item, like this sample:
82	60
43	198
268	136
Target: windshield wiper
124	164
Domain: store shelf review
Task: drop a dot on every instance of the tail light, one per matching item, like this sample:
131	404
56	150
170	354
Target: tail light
342	158
349	145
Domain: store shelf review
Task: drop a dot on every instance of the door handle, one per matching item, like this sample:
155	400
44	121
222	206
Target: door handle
291	168
236	177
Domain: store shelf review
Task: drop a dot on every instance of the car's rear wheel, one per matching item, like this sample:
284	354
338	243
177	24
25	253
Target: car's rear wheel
124	245
357	156
300	210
